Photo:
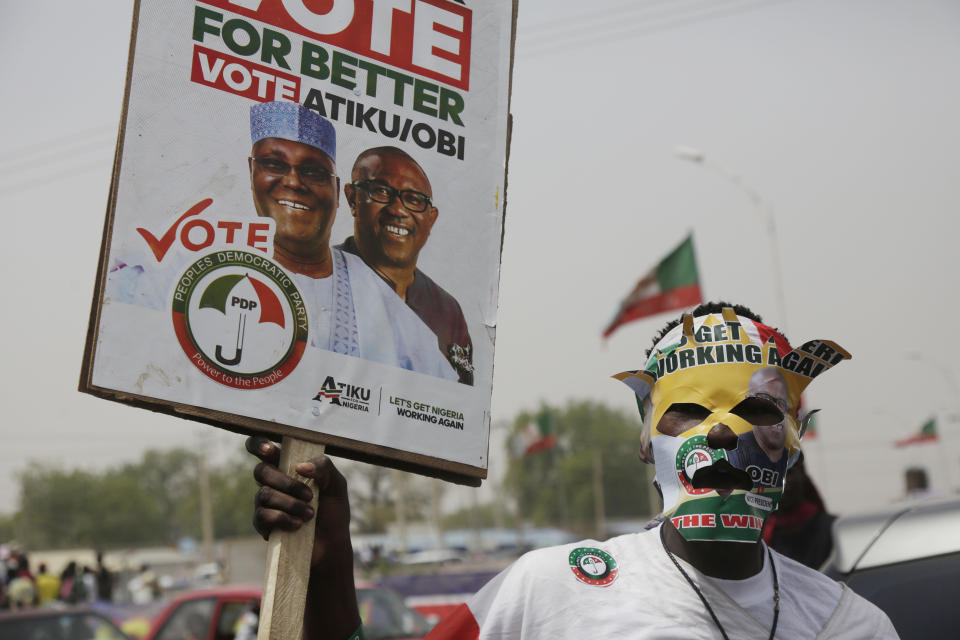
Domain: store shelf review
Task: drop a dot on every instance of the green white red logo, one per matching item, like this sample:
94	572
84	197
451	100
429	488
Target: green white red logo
240	319
695	454
593	566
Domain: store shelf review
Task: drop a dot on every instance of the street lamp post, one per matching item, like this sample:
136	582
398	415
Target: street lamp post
945	371
764	207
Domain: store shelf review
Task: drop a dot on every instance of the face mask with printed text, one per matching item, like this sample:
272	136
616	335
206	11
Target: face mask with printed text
719	397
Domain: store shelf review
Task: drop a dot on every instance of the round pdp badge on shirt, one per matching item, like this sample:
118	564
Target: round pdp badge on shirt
593	566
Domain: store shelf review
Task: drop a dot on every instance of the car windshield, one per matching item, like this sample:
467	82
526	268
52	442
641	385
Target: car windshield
385	616
919	596
65	626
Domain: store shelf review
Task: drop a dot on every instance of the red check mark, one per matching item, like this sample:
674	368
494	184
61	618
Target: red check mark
160	247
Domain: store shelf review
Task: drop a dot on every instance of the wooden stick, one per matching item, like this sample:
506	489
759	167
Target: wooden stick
288	559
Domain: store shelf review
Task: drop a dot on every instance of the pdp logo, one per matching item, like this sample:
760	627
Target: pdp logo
240	319
593	566
693	455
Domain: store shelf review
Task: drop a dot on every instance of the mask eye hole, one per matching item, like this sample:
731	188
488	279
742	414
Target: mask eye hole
680	417
759	411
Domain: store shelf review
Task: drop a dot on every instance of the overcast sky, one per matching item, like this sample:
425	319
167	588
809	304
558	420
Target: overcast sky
841	115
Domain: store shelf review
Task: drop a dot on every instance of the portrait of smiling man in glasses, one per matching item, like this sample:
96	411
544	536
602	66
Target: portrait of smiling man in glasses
391	200
352	310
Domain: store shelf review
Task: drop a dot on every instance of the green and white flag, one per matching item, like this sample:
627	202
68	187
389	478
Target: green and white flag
672	284
538	435
927	433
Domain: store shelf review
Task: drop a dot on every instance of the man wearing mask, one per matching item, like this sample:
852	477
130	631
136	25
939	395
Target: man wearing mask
702	572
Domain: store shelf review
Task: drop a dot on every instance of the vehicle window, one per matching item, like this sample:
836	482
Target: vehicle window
919	596
189	621
102	629
384	615
60	627
237	618
29	629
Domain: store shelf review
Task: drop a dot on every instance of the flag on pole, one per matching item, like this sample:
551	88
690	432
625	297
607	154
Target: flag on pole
810	433
538	435
672	284
927	433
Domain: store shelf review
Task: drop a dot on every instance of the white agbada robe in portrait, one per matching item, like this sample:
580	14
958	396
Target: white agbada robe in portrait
356	313
539	598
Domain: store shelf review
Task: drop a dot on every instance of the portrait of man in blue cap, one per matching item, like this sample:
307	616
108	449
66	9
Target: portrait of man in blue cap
294	181
353	311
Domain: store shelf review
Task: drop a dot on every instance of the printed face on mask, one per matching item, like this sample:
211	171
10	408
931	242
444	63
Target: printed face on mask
744	471
721	423
710	463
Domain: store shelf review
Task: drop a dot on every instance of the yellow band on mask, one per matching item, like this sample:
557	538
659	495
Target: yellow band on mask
718	360
741	374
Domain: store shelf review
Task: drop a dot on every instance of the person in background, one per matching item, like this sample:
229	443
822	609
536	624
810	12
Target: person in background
72	589
48	585
918	484
145	586
801	528
89	579
104	580
21	591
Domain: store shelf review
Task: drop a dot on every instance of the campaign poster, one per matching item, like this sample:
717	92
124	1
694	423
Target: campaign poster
304	228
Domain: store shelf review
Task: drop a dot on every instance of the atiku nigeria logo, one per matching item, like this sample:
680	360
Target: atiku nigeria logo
344	394
240	319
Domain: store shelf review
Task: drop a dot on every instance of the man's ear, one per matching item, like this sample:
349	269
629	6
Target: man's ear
433	213
351	195
646	448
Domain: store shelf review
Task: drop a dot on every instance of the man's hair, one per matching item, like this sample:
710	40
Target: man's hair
388	150
705	309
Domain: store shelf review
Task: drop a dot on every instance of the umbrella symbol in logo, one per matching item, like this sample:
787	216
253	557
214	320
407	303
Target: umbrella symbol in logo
217	296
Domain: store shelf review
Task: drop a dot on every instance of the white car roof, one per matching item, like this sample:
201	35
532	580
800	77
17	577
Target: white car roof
914	530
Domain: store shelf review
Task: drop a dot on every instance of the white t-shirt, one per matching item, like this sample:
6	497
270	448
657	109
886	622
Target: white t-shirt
542	597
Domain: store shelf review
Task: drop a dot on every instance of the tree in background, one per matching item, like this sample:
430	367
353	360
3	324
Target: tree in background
371	497
8	526
375	499
562	456
489	515
154	501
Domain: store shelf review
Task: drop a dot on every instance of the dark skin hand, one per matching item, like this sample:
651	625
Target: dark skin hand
283	503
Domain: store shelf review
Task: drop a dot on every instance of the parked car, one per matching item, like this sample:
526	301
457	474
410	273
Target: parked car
437	595
74	623
219	613
205	614
906	560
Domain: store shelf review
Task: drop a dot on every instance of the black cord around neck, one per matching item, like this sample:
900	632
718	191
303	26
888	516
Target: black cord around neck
703	599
